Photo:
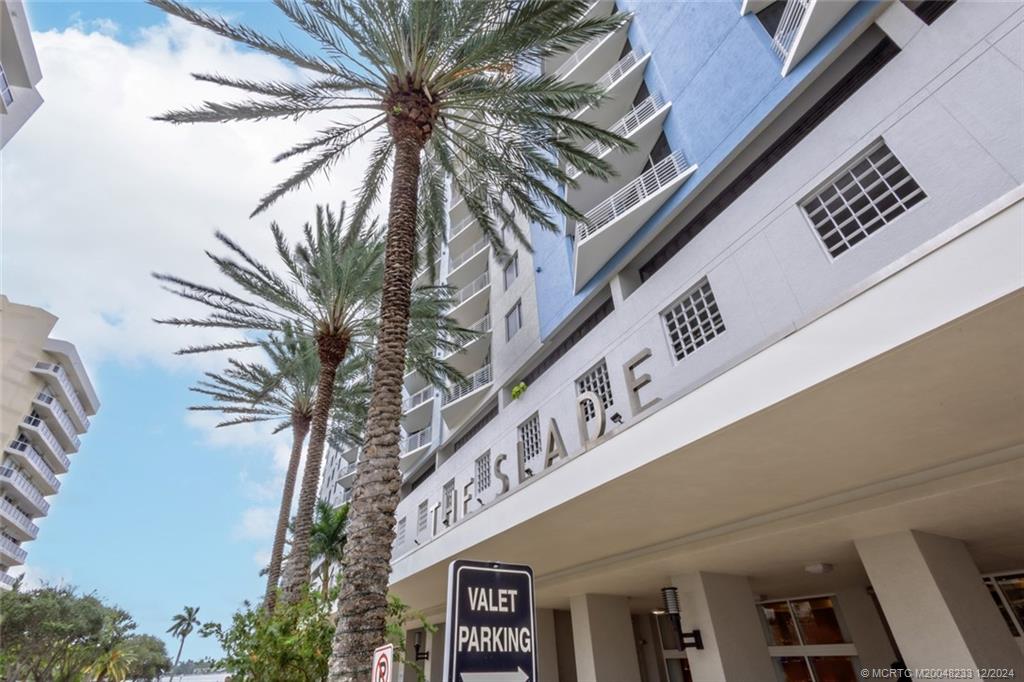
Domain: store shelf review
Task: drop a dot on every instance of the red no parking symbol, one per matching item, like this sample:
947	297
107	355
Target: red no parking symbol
382	660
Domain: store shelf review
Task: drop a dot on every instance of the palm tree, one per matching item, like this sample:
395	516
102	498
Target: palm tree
331	293
181	627
327	541
443	89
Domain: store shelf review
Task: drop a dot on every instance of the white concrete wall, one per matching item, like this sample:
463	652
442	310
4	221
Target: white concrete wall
603	639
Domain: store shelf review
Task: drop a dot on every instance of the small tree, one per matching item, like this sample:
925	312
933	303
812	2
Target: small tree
181	627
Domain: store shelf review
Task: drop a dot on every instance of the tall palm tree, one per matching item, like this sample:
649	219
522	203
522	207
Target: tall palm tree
442	88
181	627
331	292
283	392
328	539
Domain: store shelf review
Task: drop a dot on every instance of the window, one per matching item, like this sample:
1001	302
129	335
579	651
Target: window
448	502
597	381
422	513
793	626
400	532
1008	593
5	88
860	74
511	271
514	320
529	435
928	10
870	192
693	320
483	472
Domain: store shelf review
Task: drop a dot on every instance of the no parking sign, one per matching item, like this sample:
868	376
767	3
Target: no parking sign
383	660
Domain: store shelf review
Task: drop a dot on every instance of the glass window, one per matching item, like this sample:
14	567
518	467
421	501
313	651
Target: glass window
781	625
818	621
513	320
1012	587
596	381
792	669
511	271
483	472
834	669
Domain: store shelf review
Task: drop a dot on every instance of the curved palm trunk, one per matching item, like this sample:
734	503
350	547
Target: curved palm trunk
300	427
178	657
363	603
325	579
332	349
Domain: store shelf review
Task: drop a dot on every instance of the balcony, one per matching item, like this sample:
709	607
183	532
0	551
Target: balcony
469	263
46	443
422	277
7	581
472	301
58	380
46	481
463	235
412	446
594	58
418	408
473	355
347	474
461	398
804	23
16	522
620	85
50	408
556	63
641	126
10	553
614	221
23	491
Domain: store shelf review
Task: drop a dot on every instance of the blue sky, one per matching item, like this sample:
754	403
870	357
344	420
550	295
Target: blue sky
159	509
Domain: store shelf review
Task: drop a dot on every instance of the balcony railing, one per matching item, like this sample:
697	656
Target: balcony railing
477	379
25	449
477	285
6	579
19	518
636	117
62	377
789	26
617	71
26	488
576	57
62	417
415	441
418	398
460	228
481	326
455	261
12	549
658	176
50	439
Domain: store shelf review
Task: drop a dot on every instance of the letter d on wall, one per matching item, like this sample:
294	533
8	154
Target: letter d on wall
581	416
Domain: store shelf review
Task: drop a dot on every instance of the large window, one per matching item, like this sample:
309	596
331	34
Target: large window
422	513
1007	591
808	640
596	381
693	320
400	532
514	320
868	194
483	472
529	435
511	271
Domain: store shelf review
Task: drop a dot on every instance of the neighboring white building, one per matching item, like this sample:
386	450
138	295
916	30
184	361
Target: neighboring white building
780	368
45	404
19	70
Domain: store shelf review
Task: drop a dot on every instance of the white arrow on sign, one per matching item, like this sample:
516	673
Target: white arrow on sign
514	676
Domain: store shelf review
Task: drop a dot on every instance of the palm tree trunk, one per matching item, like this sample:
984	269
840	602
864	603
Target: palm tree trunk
300	426
332	349
177	658
363	604
325	579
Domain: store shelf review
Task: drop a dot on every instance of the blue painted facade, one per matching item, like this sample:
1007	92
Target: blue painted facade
717	68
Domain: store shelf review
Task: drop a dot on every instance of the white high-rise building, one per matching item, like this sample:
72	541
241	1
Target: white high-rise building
19	70
45	405
779	368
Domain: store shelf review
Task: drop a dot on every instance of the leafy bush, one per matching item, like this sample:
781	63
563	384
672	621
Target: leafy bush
518	390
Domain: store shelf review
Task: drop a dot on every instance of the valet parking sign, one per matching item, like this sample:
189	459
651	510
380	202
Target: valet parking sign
491	629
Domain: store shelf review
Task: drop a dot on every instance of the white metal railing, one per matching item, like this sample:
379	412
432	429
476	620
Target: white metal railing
13	549
62	378
26	449
456	261
481	326
19	517
62	417
789	26
460	228
478	284
636	117
418	398
617	71
476	380
6	579
19	481
581	53
50	439
659	175
417	440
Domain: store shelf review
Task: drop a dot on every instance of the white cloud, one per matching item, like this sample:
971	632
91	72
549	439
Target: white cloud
257	523
96	195
36	576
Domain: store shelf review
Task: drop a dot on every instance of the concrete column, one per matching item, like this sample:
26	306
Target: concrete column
434	666
547	649
864	627
602	634
939	611
723	608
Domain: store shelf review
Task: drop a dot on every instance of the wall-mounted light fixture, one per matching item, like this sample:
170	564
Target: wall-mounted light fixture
617	418
687	640
424	656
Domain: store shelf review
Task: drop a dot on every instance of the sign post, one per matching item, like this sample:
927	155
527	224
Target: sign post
383	663
491	629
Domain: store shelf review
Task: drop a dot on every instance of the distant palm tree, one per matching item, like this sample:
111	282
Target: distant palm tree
181	627
441	89
331	292
327	541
